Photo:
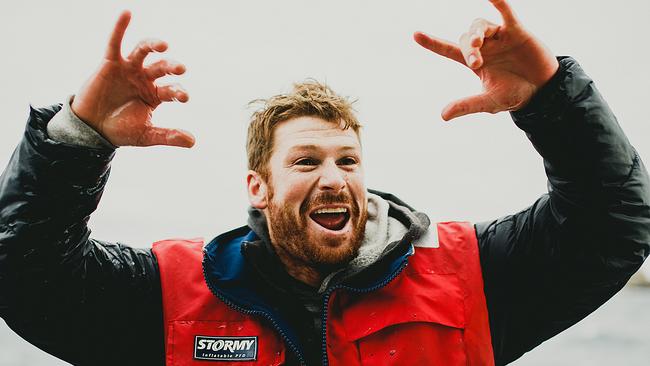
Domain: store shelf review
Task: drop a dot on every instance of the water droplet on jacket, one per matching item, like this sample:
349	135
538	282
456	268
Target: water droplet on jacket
415	315
392	352
240	327
221	326
373	313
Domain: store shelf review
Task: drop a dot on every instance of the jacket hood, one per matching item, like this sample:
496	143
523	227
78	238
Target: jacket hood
390	221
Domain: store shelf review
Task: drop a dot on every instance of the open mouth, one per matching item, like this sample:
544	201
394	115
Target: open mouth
333	218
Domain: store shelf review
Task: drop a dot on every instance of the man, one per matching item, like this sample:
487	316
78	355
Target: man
325	272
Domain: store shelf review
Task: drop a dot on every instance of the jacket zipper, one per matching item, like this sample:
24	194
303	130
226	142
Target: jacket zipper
264	314
351	289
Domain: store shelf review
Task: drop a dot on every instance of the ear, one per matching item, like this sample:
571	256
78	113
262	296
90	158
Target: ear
257	190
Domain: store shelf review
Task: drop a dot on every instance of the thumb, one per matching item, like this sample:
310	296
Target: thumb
474	104
166	136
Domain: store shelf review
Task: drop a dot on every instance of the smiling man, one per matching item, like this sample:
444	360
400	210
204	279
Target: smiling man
325	271
306	175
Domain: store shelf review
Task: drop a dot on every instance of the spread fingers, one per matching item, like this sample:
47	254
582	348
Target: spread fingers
172	93
479	30
471	55
113	51
164	67
470	43
144	48
439	46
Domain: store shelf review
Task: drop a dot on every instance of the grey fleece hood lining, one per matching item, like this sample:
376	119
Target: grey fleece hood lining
383	232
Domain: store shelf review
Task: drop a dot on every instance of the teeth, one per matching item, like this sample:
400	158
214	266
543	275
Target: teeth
332	210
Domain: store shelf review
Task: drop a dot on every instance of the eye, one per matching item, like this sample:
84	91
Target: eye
348	160
306	162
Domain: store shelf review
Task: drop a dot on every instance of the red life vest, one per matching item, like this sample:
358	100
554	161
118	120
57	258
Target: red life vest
432	313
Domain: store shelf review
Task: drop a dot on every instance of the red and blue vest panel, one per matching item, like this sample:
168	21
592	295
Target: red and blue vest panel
432	313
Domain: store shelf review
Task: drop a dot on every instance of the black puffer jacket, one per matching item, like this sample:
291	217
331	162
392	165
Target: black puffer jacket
545	268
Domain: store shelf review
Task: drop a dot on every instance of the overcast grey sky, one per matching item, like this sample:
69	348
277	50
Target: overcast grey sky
474	168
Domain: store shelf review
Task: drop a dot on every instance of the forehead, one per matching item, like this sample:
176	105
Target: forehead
313	132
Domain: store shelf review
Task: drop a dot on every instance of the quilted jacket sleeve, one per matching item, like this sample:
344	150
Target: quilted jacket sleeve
550	265
85	301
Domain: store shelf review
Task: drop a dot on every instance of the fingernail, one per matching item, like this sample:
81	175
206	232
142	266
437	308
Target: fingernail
471	60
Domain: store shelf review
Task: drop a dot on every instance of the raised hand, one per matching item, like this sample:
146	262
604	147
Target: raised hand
119	99
511	63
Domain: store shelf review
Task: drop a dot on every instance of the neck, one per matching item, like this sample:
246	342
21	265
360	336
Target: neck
299	269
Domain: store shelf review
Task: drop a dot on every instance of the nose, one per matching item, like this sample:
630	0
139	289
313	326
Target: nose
331	177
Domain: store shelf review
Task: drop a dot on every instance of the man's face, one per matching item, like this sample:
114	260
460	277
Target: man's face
317	205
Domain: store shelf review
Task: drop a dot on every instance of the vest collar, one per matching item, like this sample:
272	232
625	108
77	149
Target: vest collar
235	282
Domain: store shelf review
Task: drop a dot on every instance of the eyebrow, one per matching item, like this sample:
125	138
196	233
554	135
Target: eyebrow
317	147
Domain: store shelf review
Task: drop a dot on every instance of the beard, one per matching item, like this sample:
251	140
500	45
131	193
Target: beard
290	233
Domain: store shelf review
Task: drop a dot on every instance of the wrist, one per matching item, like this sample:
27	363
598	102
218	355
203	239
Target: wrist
80	110
67	127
